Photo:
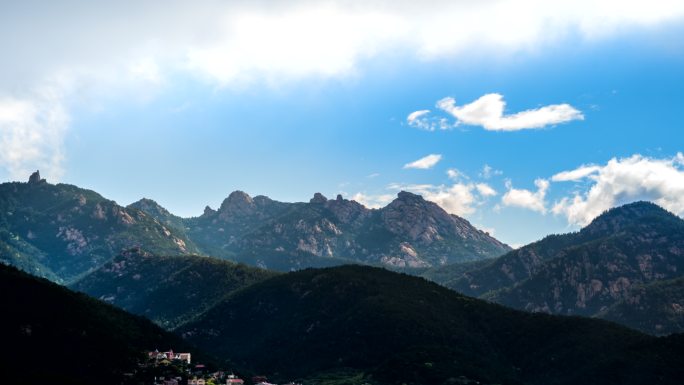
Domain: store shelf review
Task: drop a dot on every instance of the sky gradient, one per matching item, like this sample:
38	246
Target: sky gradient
527	118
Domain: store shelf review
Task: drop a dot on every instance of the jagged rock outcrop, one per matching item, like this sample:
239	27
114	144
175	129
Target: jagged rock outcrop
35	178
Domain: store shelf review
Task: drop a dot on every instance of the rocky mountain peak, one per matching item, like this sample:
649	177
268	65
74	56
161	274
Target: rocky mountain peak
35	178
345	210
318	198
147	205
238	203
208	211
412	216
408	197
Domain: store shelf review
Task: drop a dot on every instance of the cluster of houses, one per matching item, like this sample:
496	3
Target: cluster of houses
169	356
196	375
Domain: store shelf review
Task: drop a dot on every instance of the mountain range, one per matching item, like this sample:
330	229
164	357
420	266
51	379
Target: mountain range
62	232
409	232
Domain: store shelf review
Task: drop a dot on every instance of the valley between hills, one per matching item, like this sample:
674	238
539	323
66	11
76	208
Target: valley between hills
331	292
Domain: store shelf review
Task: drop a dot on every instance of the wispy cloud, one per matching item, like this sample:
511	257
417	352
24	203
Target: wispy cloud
425	162
576	174
489	112
422	119
489	171
455	174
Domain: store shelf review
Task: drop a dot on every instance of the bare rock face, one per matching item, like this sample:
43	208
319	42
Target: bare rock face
347	211
35	178
208	211
418	219
238	204
318	198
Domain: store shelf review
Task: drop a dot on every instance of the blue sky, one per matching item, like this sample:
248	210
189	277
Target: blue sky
185	119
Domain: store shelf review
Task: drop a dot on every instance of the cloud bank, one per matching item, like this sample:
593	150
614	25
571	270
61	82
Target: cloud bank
80	49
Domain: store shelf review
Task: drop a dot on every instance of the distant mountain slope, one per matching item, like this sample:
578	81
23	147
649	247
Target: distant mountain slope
167	290
62	231
392	328
410	232
51	335
159	213
642	243
583	273
656	308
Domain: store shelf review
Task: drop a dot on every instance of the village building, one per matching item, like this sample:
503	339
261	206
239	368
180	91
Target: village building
233	380
170	355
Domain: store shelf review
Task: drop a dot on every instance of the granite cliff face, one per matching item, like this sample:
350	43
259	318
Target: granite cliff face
655	308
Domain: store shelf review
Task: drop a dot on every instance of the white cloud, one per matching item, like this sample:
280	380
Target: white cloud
373	201
415	115
485	190
488	112
489	171
421	119
626	180
31	135
527	199
455	174
425	162
147	70
576	174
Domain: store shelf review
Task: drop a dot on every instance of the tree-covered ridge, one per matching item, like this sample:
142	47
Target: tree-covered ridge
169	290
52	335
63	231
393	328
